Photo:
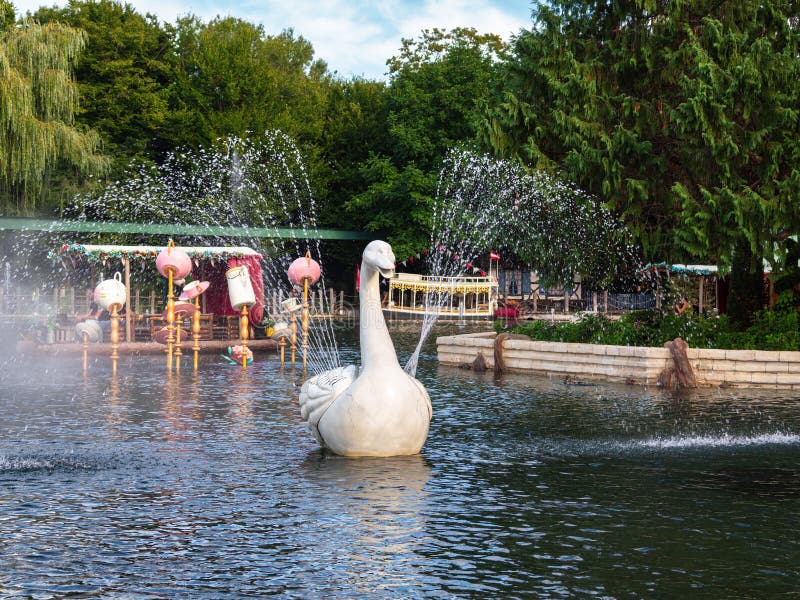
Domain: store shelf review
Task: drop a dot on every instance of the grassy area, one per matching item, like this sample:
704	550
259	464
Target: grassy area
777	328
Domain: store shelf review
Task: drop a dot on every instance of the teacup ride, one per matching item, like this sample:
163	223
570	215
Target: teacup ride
192	291
304	272
173	263
242	297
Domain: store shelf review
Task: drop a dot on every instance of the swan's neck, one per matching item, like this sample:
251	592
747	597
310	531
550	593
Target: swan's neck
377	349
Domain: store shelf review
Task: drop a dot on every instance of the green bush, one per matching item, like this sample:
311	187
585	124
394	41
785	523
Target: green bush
773	329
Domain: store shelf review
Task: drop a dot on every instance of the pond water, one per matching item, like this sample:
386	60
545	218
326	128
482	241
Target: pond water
207	485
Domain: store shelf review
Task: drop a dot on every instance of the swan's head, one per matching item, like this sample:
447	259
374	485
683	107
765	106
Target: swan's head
379	256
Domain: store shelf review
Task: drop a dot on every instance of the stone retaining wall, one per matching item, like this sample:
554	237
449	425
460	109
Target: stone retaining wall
631	364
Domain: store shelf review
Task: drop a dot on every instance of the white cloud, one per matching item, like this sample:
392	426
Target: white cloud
355	37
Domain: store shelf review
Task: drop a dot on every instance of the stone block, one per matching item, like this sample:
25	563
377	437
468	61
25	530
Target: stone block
652	352
792	357
766	355
739	377
775	366
788	378
740	354
707	353
764	378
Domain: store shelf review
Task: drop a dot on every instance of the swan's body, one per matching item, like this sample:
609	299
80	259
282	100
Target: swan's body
379	409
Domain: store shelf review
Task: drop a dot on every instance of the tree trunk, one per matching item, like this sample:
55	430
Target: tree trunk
499	362
683	371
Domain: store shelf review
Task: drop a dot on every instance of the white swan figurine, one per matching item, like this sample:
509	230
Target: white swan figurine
379	409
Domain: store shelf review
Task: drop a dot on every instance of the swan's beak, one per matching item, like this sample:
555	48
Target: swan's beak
387	273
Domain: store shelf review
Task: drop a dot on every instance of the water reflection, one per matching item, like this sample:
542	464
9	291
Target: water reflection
376	515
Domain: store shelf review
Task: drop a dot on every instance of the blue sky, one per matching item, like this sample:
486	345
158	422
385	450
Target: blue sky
355	37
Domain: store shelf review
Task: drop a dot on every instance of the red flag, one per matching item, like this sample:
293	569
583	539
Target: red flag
494	255
358	278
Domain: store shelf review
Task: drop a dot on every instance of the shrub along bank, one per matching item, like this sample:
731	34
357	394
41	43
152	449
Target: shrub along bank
776	328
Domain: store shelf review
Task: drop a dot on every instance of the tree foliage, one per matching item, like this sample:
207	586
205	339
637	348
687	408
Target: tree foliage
124	76
233	79
38	101
681	115
7	14
437	86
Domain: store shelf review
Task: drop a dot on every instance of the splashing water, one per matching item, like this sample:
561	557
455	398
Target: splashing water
483	203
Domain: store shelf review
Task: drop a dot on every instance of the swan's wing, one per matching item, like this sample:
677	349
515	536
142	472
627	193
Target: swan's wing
319	392
424	392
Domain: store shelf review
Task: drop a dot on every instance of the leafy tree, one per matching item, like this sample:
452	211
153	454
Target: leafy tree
354	129
124	76
437	85
7	13
234	79
38	102
397	203
681	115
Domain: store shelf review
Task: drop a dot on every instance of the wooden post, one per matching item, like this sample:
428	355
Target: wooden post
605	301
700	295
152	302
305	321
331	300
293	329
594	302
178	327
170	320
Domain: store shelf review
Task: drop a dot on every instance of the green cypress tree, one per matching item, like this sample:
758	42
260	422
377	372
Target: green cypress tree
681	115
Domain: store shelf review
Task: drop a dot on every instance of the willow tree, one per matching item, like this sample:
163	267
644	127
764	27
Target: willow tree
682	116
38	102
